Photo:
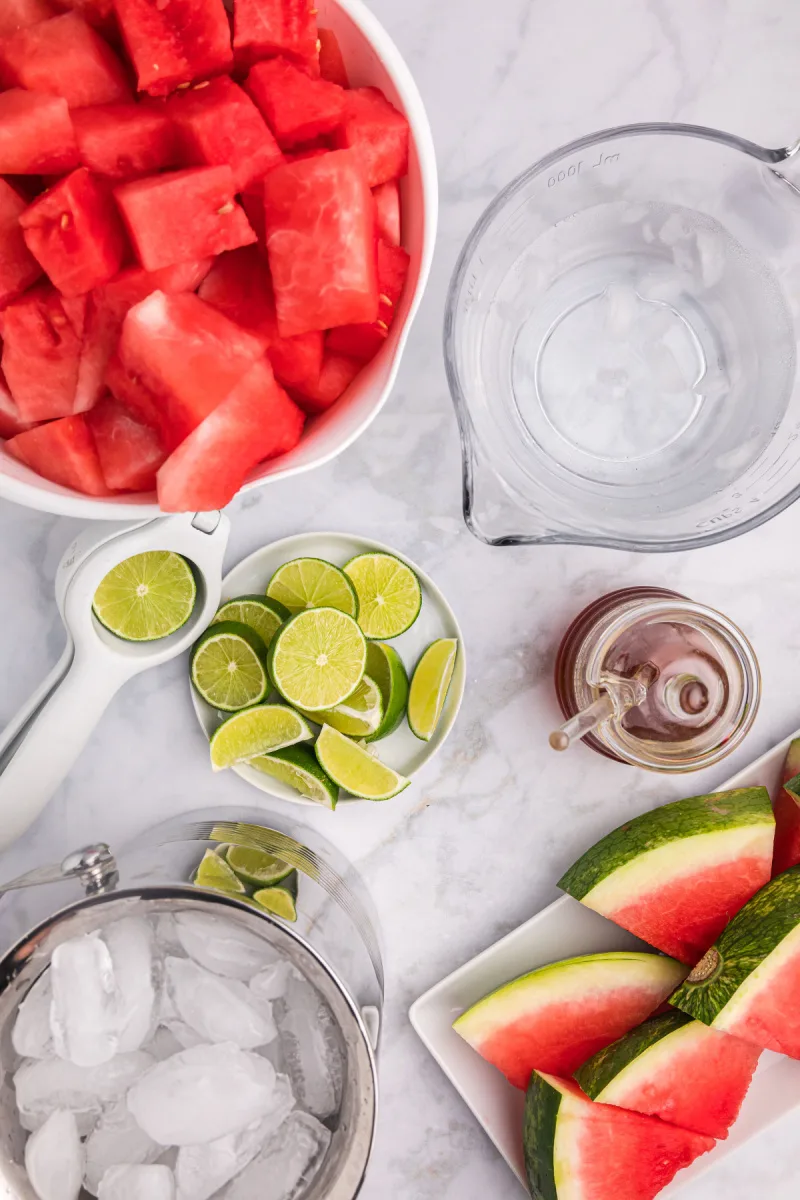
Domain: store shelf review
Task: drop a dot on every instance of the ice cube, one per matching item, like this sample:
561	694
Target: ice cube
31	1036
43	1085
202	1094
130	942
287	1162
312	1048
154	1182
273	982
117	1140
54	1158
220	1010
222	946
83	1013
185	1035
166	931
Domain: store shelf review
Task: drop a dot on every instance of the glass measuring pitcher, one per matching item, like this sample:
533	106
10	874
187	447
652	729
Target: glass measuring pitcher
621	343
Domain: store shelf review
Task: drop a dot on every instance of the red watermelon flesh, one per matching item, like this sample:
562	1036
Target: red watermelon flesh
136	397
188	355
176	42
98	13
297	107
18	268
64	452
64	57
387	206
596	1151
20	14
36	134
320	219
42	339
378	131
11	422
183	215
331	60
335	376
130	451
253	205
256	421
218	123
74	231
264	28
124	141
364	341
786	806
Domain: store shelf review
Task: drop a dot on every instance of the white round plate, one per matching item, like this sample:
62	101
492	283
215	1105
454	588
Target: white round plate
401	750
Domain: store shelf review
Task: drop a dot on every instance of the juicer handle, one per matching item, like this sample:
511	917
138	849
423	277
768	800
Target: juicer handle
49	745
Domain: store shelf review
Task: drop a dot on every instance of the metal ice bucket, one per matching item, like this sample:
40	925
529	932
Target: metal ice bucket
334	944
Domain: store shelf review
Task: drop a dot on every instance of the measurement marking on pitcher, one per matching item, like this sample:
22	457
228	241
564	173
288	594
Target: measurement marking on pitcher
579	166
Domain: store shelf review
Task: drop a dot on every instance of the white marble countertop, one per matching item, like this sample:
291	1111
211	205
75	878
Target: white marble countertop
475	845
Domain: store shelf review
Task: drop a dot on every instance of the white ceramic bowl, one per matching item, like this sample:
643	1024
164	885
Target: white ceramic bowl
371	58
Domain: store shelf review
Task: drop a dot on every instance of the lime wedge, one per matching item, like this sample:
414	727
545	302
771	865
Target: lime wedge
317	659
257	866
215	873
259	612
279	901
355	769
313	583
256	730
385	666
297	767
229	666
146	597
359	715
389	595
429	687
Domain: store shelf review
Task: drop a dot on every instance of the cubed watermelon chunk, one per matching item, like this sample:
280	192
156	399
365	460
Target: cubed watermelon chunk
42	339
264	28
256	421
125	141
64	57
107	309
253	205
18	268
98	13
320	219
74	231
297	107
21	14
137	398
130	451
331	59
11	423
172	42
183	215
64	452
239	286
307	150
379	132
188	355
364	341
217	123
335	377
36	134
387	207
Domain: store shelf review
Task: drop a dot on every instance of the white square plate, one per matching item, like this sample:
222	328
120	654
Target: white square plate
563	930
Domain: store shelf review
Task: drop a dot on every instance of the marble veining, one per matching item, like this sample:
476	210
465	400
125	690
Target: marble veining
476	844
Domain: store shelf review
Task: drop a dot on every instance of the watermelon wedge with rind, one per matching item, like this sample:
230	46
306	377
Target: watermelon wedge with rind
576	1149
676	875
675	1068
554	1018
786	806
748	982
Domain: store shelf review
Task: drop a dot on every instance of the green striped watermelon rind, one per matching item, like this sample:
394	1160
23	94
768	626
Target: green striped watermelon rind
753	934
542	1103
793	786
596	1074
661	826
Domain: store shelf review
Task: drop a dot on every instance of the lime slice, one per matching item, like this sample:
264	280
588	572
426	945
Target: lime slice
146	597
429	687
389	595
359	715
215	873
259	612
297	767
313	583
257	866
317	659
257	730
385	666
229	666
279	901
355	769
